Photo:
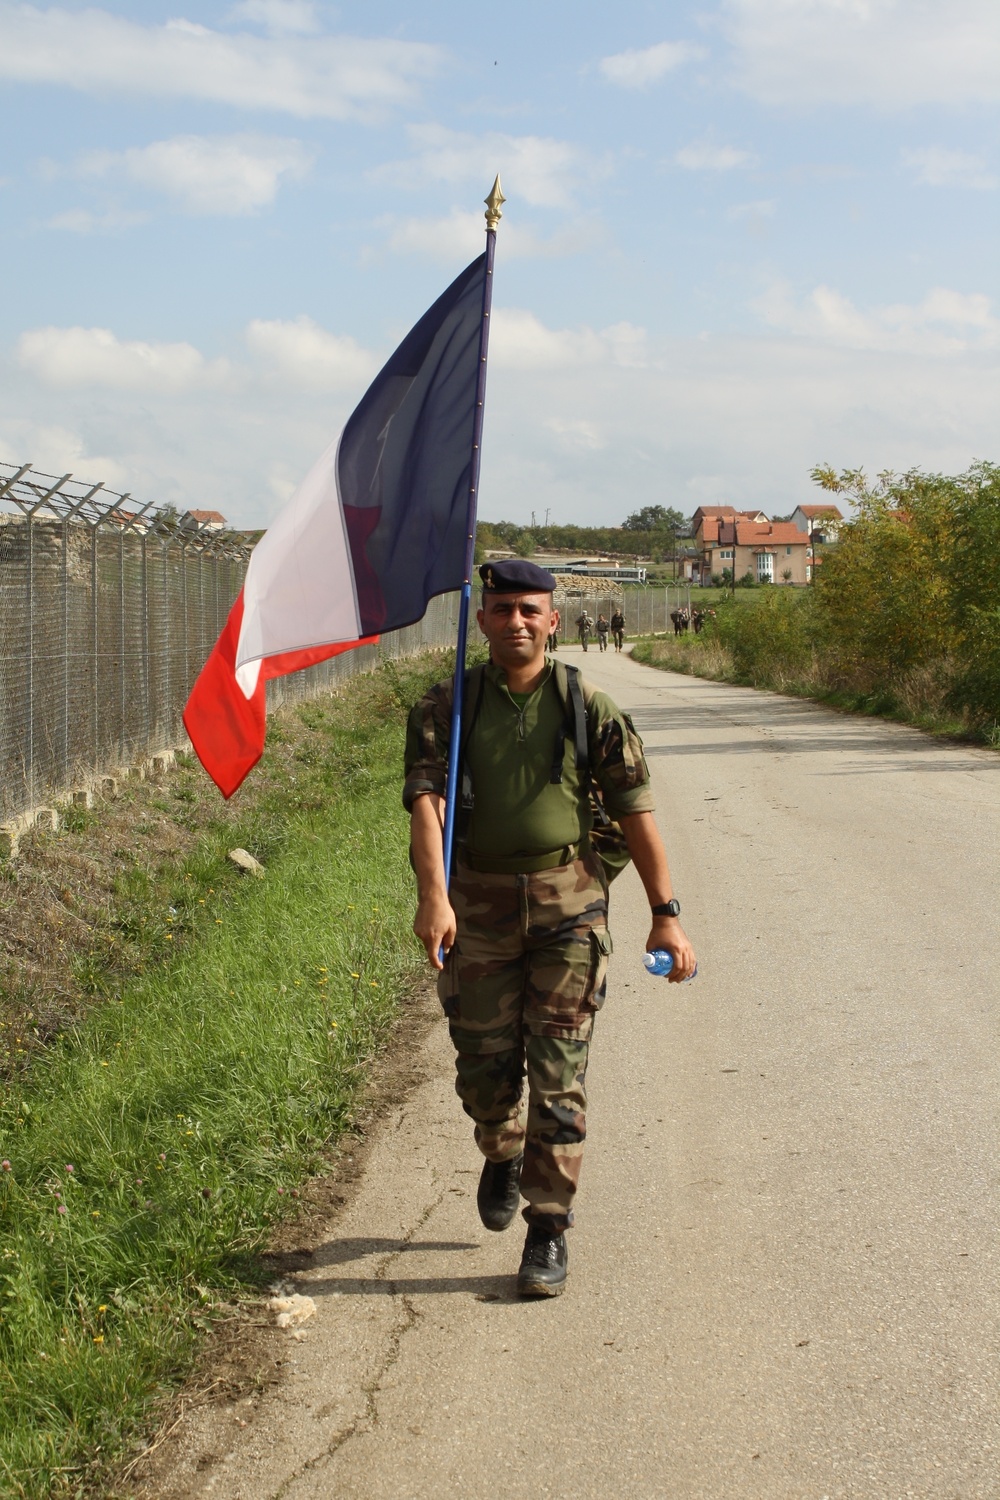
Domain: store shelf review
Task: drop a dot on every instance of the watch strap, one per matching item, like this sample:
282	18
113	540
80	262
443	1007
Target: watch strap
667	909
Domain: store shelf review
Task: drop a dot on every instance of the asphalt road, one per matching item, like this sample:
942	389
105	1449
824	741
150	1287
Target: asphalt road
783	1280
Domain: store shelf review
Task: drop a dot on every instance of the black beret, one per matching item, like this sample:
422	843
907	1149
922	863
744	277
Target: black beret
515	575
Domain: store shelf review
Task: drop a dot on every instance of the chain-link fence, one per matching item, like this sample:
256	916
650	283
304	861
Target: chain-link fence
108	611
646	608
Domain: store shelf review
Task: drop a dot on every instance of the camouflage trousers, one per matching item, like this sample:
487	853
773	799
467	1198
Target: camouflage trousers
520	989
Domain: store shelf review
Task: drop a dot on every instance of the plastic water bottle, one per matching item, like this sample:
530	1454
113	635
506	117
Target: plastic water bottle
658	963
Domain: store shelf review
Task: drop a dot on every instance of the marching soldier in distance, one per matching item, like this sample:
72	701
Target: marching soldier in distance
618	629
584	626
602	632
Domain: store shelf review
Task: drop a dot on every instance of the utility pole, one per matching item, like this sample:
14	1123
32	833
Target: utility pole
533	522
548	512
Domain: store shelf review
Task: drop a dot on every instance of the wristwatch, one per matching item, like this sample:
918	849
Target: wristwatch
667	909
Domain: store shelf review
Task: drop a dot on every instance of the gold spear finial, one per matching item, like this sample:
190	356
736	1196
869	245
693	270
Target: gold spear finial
493	202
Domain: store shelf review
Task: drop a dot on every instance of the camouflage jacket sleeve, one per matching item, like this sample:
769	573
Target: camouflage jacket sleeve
427	734
617	761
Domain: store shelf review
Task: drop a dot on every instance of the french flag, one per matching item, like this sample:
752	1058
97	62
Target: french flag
373	532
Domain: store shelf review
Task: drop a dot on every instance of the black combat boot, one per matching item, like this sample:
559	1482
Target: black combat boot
543	1264
499	1192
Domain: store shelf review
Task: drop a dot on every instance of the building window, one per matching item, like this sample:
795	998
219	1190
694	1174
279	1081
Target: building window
765	567
788	551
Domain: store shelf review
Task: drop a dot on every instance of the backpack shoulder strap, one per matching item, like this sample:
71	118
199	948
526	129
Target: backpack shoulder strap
472	701
570	691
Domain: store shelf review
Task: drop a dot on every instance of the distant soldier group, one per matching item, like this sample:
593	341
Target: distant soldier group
603	627
683	618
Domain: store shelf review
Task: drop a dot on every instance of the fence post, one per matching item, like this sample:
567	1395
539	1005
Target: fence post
96	632
121	636
65	650
29	767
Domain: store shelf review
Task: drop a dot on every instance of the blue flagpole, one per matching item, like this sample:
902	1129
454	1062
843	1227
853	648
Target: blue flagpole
493	216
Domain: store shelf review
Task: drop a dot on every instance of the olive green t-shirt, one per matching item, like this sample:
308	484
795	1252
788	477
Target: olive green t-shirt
518	808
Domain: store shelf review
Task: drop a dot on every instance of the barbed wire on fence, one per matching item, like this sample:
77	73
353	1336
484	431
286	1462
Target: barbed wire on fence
39	496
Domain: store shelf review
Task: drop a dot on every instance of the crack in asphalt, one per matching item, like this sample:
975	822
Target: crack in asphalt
367	1417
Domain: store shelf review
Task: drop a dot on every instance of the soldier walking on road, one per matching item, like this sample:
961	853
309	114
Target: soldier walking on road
602	632
584	626
618	629
524	926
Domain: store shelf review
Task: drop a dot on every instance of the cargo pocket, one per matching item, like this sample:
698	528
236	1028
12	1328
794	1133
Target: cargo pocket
447	984
601	948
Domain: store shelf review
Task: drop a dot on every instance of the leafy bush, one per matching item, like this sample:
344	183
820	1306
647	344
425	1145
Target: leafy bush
770	640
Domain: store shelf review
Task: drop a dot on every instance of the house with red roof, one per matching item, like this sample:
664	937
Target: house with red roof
771	551
720	512
826	520
202	520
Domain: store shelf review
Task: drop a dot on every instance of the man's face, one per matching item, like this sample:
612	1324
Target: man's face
517	626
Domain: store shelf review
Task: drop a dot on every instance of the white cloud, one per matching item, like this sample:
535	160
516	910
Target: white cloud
460	235
520	341
703	156
936	166
535	169
87	357
234	174
306	354
887	53
337	78
944	322
639	67
280	17
577	435
758	209
52	449
82	221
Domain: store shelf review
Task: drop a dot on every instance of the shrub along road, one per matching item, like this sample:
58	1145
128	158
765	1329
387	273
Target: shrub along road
783	1279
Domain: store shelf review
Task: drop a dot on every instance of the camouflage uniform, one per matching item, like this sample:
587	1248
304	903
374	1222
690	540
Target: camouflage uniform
527	974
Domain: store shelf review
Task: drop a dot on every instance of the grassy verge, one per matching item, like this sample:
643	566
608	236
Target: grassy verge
148	1151
916	698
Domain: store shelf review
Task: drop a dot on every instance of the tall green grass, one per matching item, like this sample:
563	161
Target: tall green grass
147	1155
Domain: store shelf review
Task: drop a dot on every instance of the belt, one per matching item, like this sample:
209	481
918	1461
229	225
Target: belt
522	864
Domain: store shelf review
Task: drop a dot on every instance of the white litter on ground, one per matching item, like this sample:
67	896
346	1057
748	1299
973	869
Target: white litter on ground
291	1311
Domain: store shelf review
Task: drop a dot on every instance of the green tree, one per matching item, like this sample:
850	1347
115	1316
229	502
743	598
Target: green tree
883	591
656	518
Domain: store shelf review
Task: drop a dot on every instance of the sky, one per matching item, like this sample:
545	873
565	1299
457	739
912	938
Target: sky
742	237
